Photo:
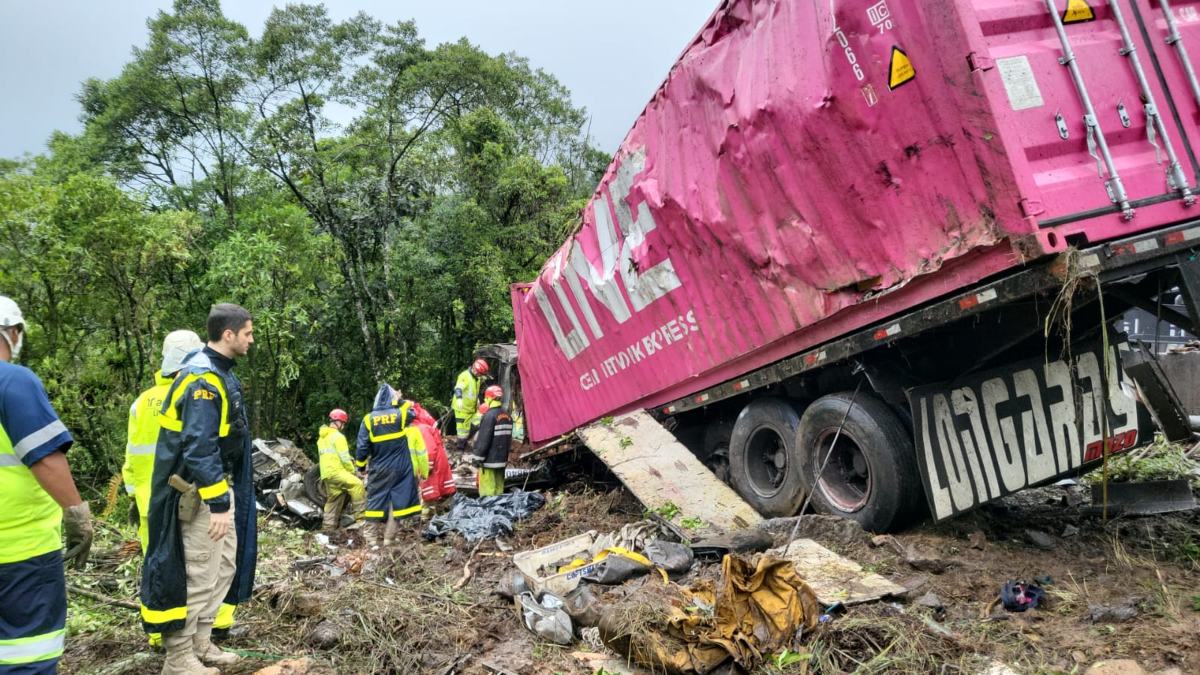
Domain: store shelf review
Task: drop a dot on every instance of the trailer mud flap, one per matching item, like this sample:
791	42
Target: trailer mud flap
661	472
990	434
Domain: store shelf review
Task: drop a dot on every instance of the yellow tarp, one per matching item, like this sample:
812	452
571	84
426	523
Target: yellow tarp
758	610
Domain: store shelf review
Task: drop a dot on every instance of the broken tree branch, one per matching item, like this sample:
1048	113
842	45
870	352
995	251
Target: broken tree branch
102	598
466	575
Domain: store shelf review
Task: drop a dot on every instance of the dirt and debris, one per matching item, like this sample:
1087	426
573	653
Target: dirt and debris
325	606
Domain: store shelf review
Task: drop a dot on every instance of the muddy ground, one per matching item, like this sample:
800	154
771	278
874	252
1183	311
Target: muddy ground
1129	588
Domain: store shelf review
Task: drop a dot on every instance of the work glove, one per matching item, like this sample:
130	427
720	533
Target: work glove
77	522
474	460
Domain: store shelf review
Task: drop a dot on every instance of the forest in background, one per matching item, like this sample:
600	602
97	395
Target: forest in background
368	197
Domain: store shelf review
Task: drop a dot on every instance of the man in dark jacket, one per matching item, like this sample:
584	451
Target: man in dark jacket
492	444
392	450
202	545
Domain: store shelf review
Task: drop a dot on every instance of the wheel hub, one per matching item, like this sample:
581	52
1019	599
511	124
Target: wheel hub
847	481
767	462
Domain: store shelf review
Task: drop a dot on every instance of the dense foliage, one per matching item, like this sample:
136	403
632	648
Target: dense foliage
366	196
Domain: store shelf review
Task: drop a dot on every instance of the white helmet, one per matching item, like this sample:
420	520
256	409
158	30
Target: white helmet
10	315
176	346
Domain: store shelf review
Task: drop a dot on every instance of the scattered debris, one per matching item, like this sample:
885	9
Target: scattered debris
307	604
1069	531
616	565
670	556
834	578
760	609
547	619
598	662
326	635
533	564
977	540
1145	498
918	560
486	517
658	469
714	549
913	585
931	601
1041	539
1018	596
1113	613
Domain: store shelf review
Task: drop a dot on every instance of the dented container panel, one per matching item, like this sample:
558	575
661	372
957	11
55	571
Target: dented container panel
810	168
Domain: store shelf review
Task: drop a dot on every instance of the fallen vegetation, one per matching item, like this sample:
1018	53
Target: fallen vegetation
1125	588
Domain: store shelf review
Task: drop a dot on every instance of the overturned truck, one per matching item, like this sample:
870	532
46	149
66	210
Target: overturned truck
905	226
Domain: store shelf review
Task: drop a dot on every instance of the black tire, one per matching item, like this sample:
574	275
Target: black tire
764	465
314	487
871	477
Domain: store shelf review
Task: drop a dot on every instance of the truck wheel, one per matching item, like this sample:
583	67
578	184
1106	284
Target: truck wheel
871	475
763	461
314	487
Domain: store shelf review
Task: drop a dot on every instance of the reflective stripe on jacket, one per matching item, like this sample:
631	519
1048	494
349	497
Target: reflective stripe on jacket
494	439
142	435
387	437
30	519
334	453
205	435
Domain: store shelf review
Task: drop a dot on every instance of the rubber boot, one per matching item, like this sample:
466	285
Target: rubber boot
181	659
389	532
330	521
372	533
207	651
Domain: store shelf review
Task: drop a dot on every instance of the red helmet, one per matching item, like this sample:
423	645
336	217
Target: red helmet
480	367
338	415
495	391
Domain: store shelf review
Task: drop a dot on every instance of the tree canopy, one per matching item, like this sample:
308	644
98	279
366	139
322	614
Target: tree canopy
368	197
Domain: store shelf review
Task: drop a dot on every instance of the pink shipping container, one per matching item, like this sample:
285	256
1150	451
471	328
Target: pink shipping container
809	168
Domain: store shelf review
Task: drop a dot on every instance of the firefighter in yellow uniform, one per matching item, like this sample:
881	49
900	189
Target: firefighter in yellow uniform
342	485
143	425
466	399
143	432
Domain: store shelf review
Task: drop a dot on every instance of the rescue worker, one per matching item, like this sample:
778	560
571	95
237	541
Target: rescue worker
37	498
492	444
342	485
466	399
493	392
392	445
143	425
440	483
143	432
203	546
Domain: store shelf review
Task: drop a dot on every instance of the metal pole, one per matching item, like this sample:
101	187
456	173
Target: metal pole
1116	189
1175	178
1175	39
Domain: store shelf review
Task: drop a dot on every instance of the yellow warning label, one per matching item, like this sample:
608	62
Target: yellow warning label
901	69
1078	11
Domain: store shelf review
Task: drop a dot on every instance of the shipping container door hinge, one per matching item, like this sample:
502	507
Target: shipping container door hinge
979	62
1031	208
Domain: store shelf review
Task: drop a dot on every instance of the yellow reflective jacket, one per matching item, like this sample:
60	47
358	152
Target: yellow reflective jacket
466	394
143	436
334	453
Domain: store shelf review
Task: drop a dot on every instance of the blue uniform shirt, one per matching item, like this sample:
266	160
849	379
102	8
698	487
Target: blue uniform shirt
27	416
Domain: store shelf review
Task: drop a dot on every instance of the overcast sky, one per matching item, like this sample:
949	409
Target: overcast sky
612	55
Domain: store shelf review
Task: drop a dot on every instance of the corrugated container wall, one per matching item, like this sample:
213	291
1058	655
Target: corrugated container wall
809	168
